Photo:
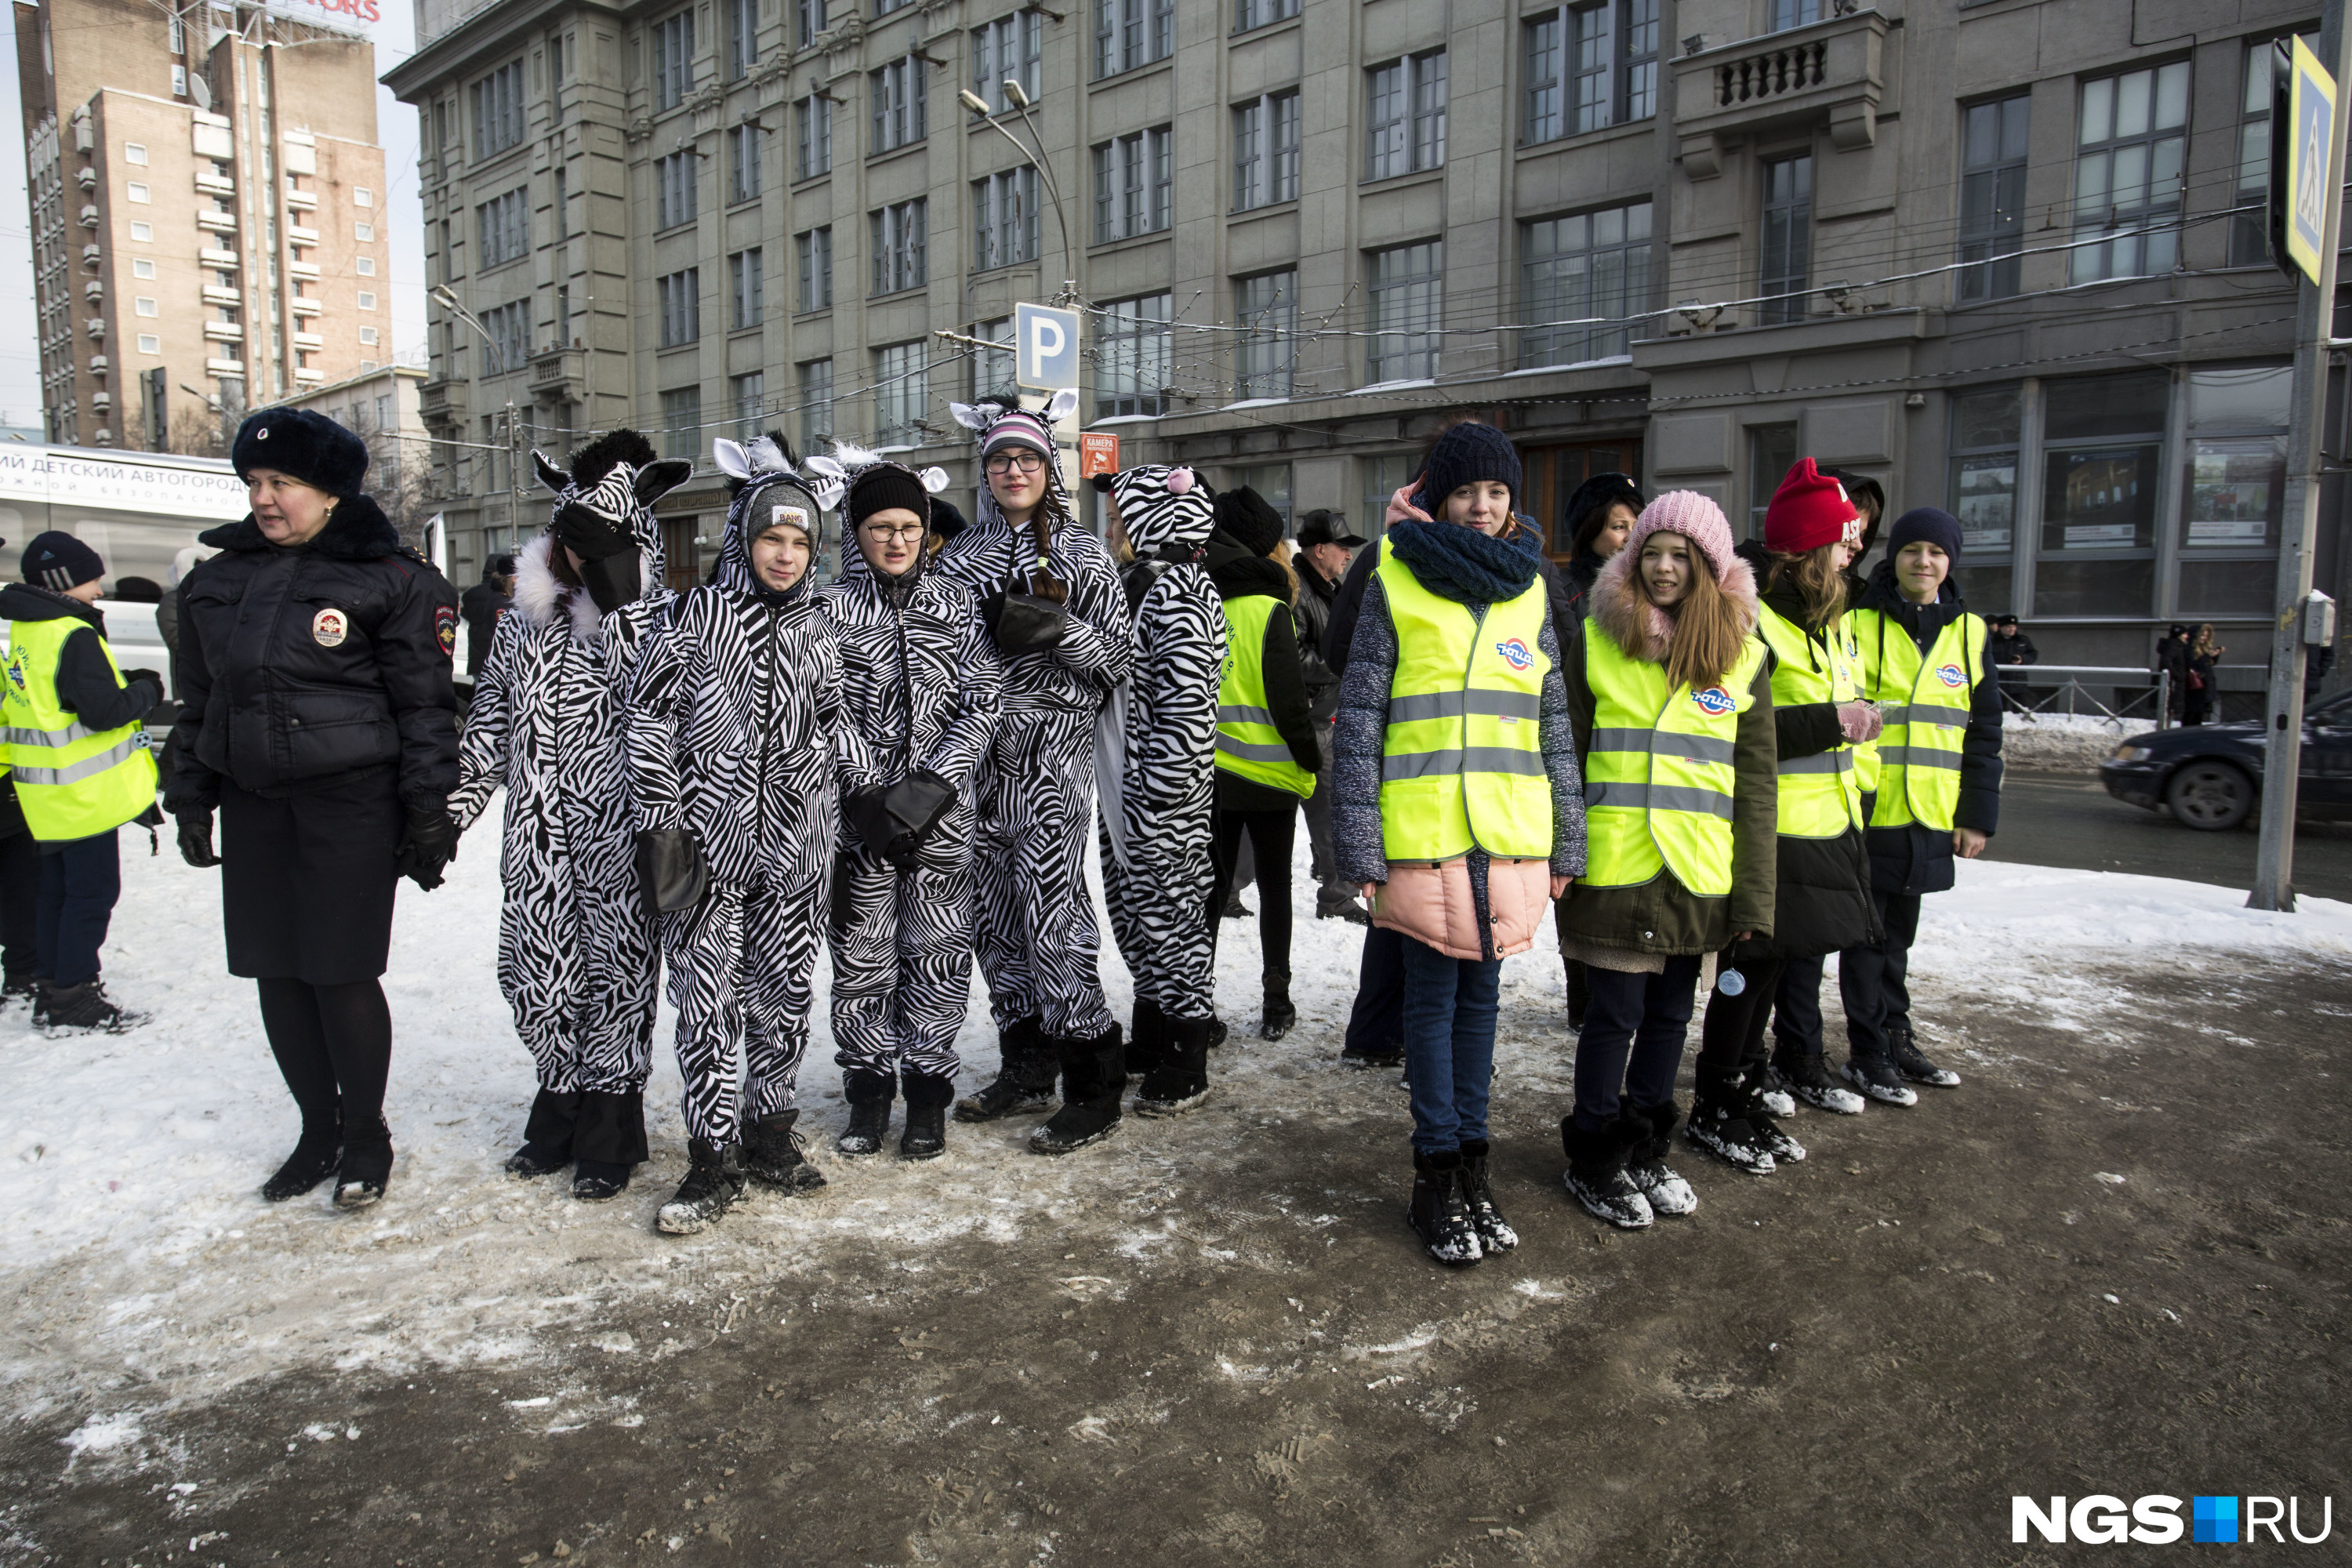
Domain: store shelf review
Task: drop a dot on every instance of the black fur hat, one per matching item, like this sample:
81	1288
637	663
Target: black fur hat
306	445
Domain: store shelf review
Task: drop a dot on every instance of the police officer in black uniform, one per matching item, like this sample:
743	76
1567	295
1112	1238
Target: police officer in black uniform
318	718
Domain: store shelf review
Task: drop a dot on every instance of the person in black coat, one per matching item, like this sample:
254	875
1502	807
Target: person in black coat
319	720
1325	547
482	605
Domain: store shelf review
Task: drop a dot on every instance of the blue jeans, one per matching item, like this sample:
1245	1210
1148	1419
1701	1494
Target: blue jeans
1634	1031
79	882
1449	1044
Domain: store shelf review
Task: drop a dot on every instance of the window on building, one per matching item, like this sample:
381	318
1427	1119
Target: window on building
1405	290
1771	453
136	191
141	305
682	422
884	7
1405	131
673	59
814	251
507	329
1787	252
364	232
902	113
2248	241
673	189
361	196
993	369
742	19
680	296
498	110
1133	179
368	336
1133	356
811	137
134	152
150	343
502	224
366	300
1265	151
144	233
816	402
1592	267
1382	478
902	393
808	21
1267	355
2235	488
1787	13
1131	33
1983	493
1010	47
2103	447
750	396
745	289
1992	196
1248	14
365	266
1004	218
1590	67
143	267
744	145
895	234
2130	139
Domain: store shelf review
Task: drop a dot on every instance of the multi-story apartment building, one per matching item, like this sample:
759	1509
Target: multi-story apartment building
208	212
1996	254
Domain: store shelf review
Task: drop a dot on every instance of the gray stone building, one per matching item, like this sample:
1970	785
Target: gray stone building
1995	254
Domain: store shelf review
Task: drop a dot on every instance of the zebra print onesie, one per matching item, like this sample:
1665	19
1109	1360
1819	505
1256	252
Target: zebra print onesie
921	682
576	953
736	733
1034	931
1157	801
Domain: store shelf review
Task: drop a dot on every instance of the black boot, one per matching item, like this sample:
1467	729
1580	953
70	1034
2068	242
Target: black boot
546	1135
1278	1014
315	1158
1903	1050
86	1009
1718	1121
772	1156
1596	1168
41	990
1645	1162
608	1142
1024	1080
1216	1031
1147	1042
1438	1214
1874	1076
366	1168
928	1099
713	1185
1092	1082
1809	1081
1181	1082
1495	1232
1757	1111
869	1094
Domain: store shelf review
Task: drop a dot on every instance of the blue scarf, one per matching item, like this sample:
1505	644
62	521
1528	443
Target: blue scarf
1462	563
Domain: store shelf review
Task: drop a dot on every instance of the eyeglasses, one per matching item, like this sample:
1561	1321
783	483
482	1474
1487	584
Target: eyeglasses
1005	462
891	531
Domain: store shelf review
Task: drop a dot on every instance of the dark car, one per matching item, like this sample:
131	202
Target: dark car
2211	775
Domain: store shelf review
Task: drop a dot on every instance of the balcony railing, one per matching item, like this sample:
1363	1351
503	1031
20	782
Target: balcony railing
1837	73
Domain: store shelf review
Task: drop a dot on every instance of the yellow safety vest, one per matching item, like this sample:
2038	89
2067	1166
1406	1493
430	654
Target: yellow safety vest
1659	776
72	780
1248	745
1925	703
1820	797
1461	763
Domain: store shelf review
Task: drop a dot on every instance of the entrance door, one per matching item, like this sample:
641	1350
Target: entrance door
681	564
1553	473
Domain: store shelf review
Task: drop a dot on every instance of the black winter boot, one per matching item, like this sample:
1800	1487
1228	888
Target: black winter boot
1495	1232
772	1156
1808	1078
1438	1214
1757	1111
1181	1082
1278	1016
1719	1121
1646	1165
41	989
1596	1168
1217	1031
713	1185
366	1168
928	1099
1093	1081
546	1135
85	1009
1147	1042
1903	1049
1875	1079
869	1094
608	1142
315	1158
1025	1078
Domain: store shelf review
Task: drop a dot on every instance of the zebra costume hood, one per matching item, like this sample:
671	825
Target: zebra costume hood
766	486
1168	513
620	477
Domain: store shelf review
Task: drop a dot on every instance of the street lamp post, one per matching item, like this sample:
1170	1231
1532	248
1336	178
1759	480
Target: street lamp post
1020	101
448	299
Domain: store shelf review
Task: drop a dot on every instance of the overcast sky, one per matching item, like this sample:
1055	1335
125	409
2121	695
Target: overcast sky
20	359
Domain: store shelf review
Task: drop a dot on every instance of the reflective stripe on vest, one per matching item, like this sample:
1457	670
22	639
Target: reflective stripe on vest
1461	762
1248	745
1659	778
71	781
1819	795
1925	703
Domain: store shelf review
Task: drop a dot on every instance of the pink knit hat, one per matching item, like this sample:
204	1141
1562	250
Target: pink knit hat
1693	516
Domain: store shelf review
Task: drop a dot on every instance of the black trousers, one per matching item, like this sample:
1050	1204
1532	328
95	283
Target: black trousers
1634	1027
79	883
1797	1009
1731	1040
1271	834
1376	1021
20	902
1874	981
333	1046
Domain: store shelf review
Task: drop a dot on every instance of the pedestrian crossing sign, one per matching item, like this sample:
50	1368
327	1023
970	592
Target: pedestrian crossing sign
2311	96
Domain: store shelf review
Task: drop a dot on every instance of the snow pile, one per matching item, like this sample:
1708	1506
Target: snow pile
2069	742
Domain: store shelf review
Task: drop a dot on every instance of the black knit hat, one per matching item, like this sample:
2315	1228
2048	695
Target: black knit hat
1592	500
304	445
1249	520
58	561
1931	523
947	520
1465	454
884	486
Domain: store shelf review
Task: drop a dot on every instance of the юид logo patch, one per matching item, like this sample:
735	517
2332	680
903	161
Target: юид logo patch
2155	1520
1952	675
1514	653
1713	700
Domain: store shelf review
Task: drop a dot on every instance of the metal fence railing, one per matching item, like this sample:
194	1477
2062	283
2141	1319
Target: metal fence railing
2110	692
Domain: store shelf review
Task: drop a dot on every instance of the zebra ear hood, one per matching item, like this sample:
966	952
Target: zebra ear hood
769	486
1000	422
1159	507
618	477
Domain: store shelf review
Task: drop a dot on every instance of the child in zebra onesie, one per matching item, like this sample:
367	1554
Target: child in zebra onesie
735	739
576	953
920	683
1051	599
1156	764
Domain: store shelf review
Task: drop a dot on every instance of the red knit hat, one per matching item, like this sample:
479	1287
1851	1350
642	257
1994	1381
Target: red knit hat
1810	509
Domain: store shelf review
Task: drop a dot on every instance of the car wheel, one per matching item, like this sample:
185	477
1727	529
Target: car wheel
2211	797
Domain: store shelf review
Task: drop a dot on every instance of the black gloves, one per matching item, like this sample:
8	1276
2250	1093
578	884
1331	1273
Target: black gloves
893	821
131	678
671	870
1026	623
196	840
609	557
428	846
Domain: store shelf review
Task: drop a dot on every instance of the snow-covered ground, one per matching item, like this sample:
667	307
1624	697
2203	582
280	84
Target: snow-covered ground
2064	741
141	1267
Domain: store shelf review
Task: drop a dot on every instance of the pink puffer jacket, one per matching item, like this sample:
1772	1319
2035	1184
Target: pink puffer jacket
1433	904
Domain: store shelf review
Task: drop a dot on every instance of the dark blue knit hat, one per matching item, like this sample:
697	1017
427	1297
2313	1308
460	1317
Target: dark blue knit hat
302	445
58	560
1465	454
1936	526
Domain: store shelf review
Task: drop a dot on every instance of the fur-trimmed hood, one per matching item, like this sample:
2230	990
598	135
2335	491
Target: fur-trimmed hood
1647	632
620	476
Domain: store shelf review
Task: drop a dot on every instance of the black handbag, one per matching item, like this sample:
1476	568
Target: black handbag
1029	623
671	870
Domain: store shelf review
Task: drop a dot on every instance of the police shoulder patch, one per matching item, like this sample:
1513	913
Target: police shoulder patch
444	629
